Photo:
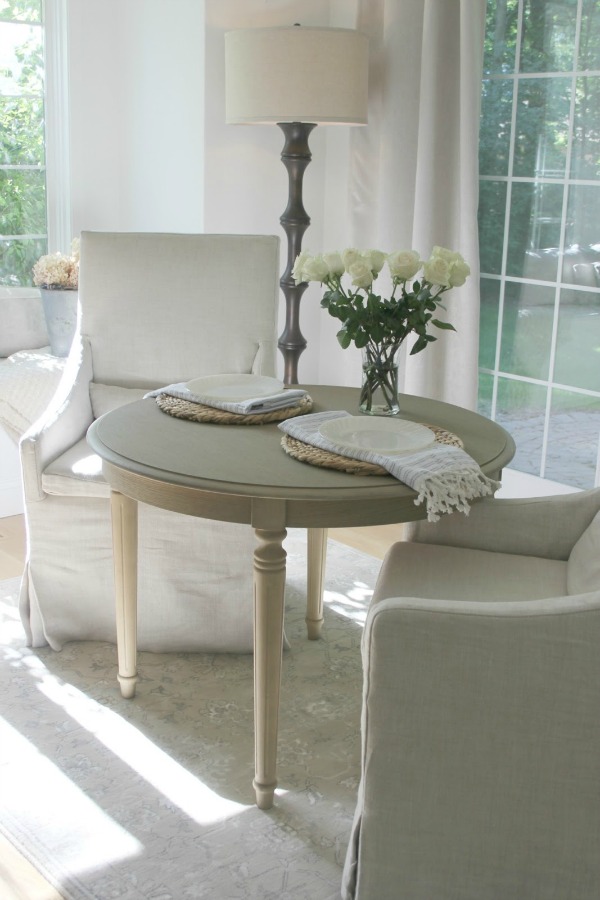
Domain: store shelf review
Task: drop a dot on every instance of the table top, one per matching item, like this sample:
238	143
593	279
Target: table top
141	444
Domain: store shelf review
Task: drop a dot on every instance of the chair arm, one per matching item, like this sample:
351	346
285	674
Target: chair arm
480	733
63	423
532	526
265	360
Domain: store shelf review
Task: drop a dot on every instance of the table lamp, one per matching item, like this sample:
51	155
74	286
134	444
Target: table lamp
295	77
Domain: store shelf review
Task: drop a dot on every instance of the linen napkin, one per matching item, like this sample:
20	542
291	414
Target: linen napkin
445	478
279	400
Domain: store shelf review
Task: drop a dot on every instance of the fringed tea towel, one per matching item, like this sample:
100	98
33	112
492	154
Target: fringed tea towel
279	400
445	478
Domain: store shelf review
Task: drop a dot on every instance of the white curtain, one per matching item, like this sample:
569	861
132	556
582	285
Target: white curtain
414	169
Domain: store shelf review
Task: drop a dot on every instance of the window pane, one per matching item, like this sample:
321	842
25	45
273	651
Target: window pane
535	217
492	210
520	409
578	340
582	236
548	43
589	39
484	398
500	36
585	159
17	259
21	10
527	330
542	128
21	59
21	131
573	438
22	202
488	322
494	136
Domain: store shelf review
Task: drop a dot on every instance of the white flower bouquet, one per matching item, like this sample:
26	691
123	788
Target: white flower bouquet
378	325
57	271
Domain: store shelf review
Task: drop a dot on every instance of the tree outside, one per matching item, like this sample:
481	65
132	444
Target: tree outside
23	223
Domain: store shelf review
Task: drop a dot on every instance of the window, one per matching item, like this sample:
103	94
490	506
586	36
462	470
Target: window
34	166
539	234
23	222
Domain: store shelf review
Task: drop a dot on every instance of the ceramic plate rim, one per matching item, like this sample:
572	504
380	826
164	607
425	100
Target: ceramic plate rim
375	423
250	386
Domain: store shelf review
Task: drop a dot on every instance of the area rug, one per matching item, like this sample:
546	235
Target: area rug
151	798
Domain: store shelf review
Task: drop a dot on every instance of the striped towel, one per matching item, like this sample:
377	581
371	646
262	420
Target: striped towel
280	400
445	478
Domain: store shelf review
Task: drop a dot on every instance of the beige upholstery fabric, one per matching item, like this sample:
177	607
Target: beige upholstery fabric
480	726
106	397
583	573
23	324
155	309
423	570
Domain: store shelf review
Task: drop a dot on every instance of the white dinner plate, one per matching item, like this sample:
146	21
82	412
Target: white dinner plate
390	436
234	388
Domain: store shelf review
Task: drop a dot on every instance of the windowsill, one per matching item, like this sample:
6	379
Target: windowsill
520	484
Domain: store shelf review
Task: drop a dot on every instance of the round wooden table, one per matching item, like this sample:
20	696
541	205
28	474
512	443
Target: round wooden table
240	473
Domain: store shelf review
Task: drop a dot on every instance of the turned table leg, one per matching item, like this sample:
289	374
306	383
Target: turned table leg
316	556
269	589
124	527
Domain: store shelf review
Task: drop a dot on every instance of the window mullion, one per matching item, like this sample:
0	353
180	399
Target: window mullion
57	132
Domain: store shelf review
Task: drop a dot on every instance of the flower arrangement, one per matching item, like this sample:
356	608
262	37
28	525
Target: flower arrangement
379	325
57	271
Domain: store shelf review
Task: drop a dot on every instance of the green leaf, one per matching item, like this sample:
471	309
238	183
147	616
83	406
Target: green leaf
344	339
418	346
445	325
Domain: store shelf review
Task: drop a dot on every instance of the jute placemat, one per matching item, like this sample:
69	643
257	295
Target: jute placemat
197	412
317	457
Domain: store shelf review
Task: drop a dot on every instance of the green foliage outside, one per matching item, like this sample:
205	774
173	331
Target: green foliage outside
22	145
541	148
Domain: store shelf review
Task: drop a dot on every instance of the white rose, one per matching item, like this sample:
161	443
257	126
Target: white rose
459	271
437	271
375	259
404	264
298	270
448	255
361	274
350	256
315	269
335	263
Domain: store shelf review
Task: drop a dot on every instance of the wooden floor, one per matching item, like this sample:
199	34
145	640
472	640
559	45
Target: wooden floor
19	880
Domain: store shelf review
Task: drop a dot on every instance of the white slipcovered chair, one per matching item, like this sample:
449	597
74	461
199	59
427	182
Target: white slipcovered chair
154	309
481	709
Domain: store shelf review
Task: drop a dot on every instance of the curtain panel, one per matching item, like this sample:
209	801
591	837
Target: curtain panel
413	177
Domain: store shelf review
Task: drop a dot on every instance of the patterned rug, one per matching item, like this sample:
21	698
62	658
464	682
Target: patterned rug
151	799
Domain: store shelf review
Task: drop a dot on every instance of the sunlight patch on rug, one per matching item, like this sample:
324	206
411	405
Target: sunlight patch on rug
174	782
37	795
153	797
352	604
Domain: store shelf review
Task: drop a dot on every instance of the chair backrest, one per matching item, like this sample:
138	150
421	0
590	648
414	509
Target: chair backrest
163	308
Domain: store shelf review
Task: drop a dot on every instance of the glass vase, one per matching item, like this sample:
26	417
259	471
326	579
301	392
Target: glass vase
379	390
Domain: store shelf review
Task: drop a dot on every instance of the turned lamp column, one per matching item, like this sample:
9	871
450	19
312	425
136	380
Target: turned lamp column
295	156
296	77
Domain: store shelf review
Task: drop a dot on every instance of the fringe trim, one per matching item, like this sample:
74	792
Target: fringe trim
451	491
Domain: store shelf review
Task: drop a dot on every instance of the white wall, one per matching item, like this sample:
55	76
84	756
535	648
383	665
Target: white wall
136	114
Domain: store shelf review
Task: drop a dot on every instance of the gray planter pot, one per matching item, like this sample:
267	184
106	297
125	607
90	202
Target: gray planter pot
60	312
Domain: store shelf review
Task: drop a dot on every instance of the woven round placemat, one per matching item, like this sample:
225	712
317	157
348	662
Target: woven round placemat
197	412
317	457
